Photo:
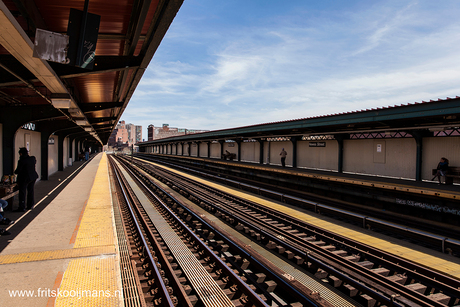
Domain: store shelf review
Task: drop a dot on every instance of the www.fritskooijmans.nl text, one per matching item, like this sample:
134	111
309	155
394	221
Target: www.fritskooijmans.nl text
64	293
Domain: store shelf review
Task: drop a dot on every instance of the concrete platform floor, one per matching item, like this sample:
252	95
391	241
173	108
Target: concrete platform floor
55	255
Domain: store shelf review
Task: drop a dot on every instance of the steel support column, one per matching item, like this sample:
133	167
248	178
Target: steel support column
418	136
22	115
340	138
294	140
47	128
221	148
261	150
238	141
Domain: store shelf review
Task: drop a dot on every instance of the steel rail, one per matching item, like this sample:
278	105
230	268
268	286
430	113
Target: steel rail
393	290
417	269
445	242
273	233
164	294
240	251
242	286
452	291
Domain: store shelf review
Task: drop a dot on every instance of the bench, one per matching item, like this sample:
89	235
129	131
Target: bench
452	173
230	156
7	193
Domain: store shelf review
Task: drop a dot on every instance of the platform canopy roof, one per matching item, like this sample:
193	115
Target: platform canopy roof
427	118
128	34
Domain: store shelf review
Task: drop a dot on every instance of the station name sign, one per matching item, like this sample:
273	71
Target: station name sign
317	144
29	126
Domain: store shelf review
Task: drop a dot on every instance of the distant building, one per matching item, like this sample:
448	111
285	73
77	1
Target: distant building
134	133
124	135
155	133
150	132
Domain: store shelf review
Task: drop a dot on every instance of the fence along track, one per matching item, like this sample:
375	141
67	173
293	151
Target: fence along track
437	290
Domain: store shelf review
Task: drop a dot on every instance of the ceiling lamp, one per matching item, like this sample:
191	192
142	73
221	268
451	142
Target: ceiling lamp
81	122
61	101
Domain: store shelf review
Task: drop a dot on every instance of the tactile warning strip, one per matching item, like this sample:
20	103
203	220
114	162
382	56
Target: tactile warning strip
206	287
89	282
94	281
96	226
57	254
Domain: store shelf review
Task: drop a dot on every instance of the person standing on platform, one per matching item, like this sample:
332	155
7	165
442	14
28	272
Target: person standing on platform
283	155
27	175
86	153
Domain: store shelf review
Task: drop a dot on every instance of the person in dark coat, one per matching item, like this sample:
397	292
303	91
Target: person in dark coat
442	168
27	175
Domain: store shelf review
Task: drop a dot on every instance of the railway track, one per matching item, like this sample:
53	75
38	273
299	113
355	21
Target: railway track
431	235
180	262
360	271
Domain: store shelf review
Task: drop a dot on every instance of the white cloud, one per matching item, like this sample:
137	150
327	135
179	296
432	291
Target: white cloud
299	68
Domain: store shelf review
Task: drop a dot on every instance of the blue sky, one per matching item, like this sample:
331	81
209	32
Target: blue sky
225	64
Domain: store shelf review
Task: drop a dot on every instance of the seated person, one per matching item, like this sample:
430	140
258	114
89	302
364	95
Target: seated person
442	168
4	220
227	155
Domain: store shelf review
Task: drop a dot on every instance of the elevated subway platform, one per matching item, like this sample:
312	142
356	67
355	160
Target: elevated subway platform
71	244
68	245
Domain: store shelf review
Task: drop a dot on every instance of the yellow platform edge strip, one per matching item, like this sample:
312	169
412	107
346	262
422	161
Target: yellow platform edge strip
96	226
94	281
376	184
90	282
57	254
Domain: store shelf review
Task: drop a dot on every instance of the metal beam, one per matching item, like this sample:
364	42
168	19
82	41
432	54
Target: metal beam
103	64
92	107
164	15
14	39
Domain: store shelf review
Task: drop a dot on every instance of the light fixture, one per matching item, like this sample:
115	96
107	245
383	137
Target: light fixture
81	122
88	129
75	112
61	103
61	100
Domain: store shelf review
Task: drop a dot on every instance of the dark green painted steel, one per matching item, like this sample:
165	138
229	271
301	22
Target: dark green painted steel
398	117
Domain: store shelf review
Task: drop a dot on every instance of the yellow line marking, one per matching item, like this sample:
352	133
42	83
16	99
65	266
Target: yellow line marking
90	282
96	226
370	183
57	254
94	281
57	282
